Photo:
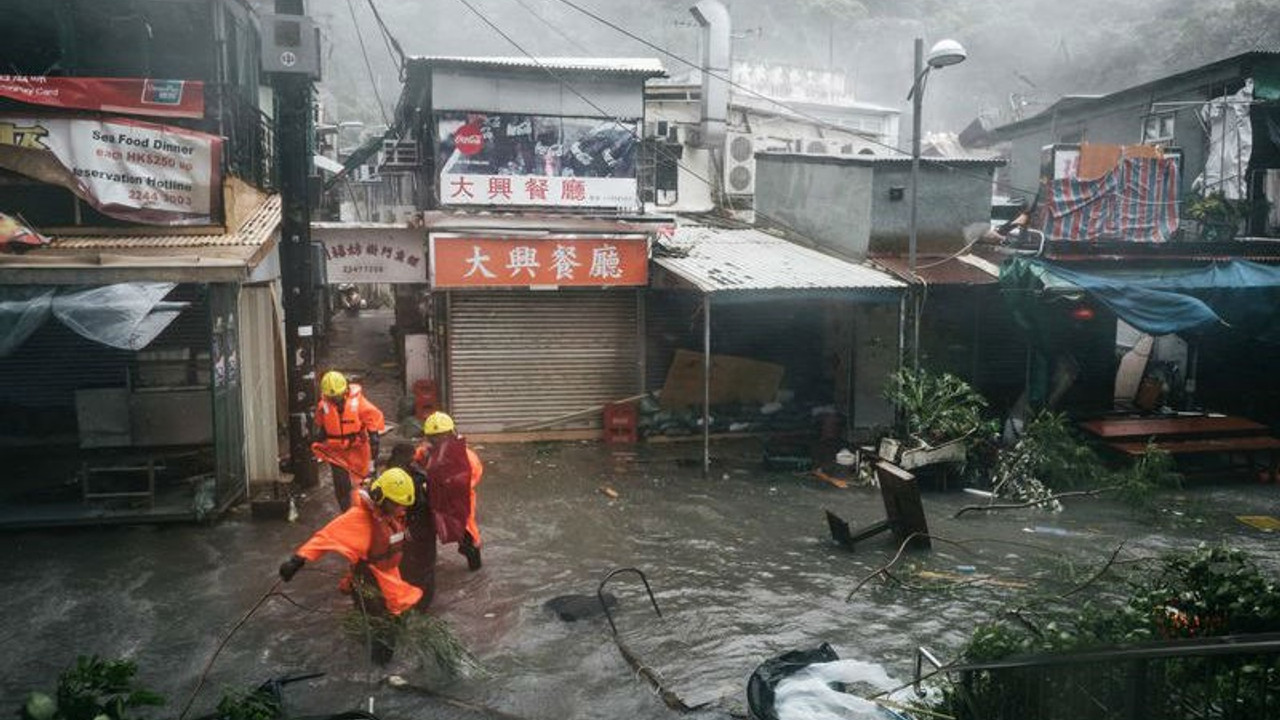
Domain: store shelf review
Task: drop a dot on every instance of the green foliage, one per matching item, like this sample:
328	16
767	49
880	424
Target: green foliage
1219	217
254	705
426	637
936	408
1050	458
1209	591
93	689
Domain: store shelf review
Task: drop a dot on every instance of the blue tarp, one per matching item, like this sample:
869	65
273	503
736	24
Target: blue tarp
1238	295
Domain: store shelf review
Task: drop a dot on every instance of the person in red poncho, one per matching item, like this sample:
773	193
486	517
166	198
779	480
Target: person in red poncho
370	535
350	427
453	471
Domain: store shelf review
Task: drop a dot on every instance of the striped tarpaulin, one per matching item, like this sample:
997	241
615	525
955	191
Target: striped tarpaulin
1136	201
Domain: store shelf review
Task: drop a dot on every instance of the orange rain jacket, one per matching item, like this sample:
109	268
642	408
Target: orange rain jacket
363	533
453	471
346	429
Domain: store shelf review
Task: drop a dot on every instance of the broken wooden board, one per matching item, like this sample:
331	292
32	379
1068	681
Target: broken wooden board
733	380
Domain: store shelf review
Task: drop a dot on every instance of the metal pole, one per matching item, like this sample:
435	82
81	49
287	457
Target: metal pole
706	385
292	127
917	100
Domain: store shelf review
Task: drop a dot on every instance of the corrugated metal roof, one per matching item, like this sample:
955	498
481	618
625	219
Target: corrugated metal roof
723	260
943	270
991	160
255	231
448	221
649	67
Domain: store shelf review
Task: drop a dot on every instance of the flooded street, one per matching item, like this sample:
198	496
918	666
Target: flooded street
741	564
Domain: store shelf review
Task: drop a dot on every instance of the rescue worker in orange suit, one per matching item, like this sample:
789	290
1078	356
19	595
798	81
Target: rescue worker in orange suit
350	427
370	535
453	471
418	562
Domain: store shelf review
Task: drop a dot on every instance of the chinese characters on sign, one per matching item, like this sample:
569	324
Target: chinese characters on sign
459	262
536	160
382	256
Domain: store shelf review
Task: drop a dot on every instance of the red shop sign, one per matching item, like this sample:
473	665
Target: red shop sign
465	262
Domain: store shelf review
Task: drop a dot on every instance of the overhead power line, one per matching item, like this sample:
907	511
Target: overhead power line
567	37
617	121
773	101
373	80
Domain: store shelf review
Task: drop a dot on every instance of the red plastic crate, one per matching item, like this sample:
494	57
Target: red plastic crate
620	423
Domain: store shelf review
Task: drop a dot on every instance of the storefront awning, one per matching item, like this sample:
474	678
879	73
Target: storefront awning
1239	295
949	270
749	262
175	256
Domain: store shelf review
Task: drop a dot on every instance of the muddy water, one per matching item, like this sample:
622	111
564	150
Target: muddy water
740	562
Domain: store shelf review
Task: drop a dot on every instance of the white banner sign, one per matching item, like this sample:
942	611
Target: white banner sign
125	168
372	255
538	190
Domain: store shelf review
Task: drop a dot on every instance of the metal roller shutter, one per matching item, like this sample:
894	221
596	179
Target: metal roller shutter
518	358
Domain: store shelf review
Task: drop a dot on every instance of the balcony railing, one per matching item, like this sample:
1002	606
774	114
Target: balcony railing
1222	678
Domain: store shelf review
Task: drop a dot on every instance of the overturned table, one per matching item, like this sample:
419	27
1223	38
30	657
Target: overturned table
1188	435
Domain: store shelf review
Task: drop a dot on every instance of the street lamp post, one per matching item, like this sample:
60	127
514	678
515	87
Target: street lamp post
942	54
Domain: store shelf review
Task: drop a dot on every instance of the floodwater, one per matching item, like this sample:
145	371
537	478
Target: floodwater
740	562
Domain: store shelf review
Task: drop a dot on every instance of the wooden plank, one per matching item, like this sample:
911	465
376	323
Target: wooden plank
1149	427
733	380
1202	445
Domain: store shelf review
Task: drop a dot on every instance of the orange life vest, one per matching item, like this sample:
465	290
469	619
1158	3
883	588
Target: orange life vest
362	533
346	428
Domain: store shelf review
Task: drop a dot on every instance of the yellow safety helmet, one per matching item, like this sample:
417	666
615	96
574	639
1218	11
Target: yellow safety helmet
394	485
437	423
333	384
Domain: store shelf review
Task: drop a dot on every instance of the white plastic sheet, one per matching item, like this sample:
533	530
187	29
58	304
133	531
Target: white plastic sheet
809	695
23	309
127	316
1226	122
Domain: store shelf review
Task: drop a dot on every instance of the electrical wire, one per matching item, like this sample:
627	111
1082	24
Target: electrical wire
568	38
774	101
569	86
387	37
204	674
373	80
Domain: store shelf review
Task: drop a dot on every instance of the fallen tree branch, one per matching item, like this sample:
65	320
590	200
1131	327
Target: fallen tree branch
1110	561
1031	503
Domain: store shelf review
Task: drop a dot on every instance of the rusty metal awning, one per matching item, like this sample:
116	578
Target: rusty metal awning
168	255
935	270
724	261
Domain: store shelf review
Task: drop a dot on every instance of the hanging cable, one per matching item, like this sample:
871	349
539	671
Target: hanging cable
373	80
571	88
812	118
568	38
402	59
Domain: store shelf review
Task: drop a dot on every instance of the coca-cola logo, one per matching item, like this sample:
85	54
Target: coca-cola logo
468	139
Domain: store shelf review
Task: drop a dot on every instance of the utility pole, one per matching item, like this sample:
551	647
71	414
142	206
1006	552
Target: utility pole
292	126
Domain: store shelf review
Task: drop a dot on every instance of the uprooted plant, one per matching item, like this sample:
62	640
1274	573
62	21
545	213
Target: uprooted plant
1206	592
935	407
1050	461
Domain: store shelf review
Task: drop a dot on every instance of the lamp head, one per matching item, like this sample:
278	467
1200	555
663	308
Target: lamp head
946	52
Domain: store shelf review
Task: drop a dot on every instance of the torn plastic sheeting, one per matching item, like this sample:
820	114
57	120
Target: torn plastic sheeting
23	309
127	316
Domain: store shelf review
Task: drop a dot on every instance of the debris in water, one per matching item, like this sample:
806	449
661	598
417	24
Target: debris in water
1265	523
571	608
609	492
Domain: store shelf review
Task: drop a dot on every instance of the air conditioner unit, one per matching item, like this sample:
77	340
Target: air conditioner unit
399	154
816	147
290	44
739	164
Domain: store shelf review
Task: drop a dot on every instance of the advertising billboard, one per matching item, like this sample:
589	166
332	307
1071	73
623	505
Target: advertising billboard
492	159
